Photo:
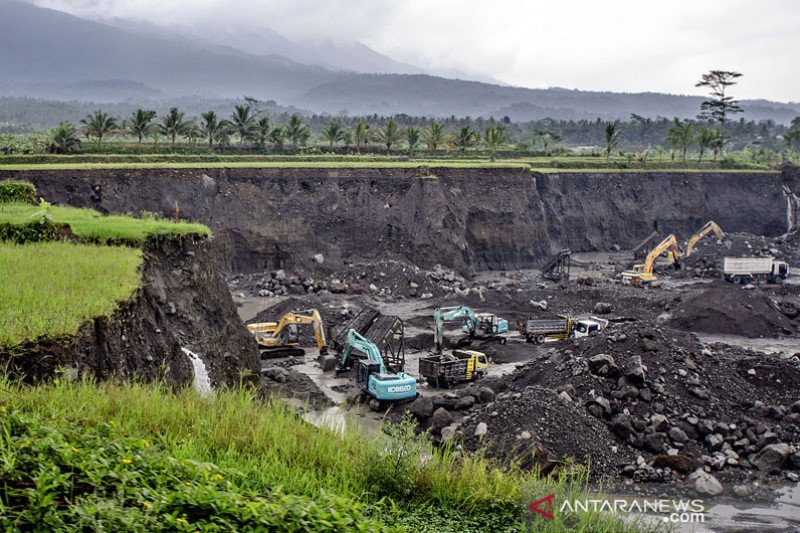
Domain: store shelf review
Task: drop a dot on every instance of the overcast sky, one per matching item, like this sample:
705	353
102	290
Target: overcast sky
619	45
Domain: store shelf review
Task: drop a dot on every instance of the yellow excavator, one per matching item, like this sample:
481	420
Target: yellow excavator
705	230
281	338
642	274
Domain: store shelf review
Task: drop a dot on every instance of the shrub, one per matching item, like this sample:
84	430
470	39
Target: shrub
392	467
97	479
17	191
36	231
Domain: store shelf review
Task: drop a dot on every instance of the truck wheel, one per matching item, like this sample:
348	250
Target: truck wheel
540	339
503	340
737	280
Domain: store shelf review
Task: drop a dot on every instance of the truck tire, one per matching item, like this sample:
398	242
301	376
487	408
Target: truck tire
540	339
737	280
503	340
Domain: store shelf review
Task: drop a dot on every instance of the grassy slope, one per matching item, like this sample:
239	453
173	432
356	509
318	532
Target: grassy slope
260	446
91	225
50	289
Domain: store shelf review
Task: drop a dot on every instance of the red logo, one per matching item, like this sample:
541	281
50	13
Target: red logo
535	506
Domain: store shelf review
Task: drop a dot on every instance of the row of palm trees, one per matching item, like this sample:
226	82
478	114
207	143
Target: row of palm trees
246	126
243	124
680	137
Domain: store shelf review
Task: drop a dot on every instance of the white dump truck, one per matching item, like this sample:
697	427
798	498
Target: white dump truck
747	269
539	330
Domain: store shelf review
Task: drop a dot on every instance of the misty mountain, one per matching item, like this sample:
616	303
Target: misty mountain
44	50
43	46
351	56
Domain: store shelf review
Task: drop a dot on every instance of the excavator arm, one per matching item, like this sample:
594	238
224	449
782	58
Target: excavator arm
705	230
644	272
670	244
356	341
444	314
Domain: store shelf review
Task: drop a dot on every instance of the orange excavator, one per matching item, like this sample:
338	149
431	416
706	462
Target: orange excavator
642	274
710	226
281	338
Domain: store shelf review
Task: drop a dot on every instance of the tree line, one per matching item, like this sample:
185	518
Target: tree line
247	127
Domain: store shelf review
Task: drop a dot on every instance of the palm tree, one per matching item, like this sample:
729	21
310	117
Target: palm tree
63	139
192	132
412	138
704	139
718	143
612	131
262	131
333	133
98	124
360	135
494	137
681	135
296	131
243	122
433	136
465	138
389	135
139	123
173	124
212	129
277	136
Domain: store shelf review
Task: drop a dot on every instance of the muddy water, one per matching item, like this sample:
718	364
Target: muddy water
780	346
734	517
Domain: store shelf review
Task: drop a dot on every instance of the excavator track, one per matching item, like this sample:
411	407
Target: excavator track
283	351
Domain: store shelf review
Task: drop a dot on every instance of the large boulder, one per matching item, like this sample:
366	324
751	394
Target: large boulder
704	483
603	364
440	420
770	457
422	407
602	308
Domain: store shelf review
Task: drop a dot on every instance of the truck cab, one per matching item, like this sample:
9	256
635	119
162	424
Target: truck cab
587	328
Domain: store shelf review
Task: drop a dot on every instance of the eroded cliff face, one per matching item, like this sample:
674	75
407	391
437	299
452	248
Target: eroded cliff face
469	219
183	303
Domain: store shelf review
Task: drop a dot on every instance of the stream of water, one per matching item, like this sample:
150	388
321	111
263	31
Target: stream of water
792	209
202	383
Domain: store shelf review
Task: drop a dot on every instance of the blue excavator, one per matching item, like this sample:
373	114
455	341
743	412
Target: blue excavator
371	374
476	325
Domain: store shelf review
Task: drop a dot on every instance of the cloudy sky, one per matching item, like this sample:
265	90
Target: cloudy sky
619	45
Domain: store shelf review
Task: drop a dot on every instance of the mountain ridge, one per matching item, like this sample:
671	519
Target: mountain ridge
45	49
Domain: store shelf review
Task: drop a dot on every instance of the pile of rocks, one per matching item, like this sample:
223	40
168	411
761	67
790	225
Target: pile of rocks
277	283
443	414
667	406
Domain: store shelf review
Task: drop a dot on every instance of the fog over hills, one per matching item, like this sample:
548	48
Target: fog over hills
51	54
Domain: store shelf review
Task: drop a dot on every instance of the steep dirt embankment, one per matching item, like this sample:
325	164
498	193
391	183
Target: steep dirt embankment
183	302
462	218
